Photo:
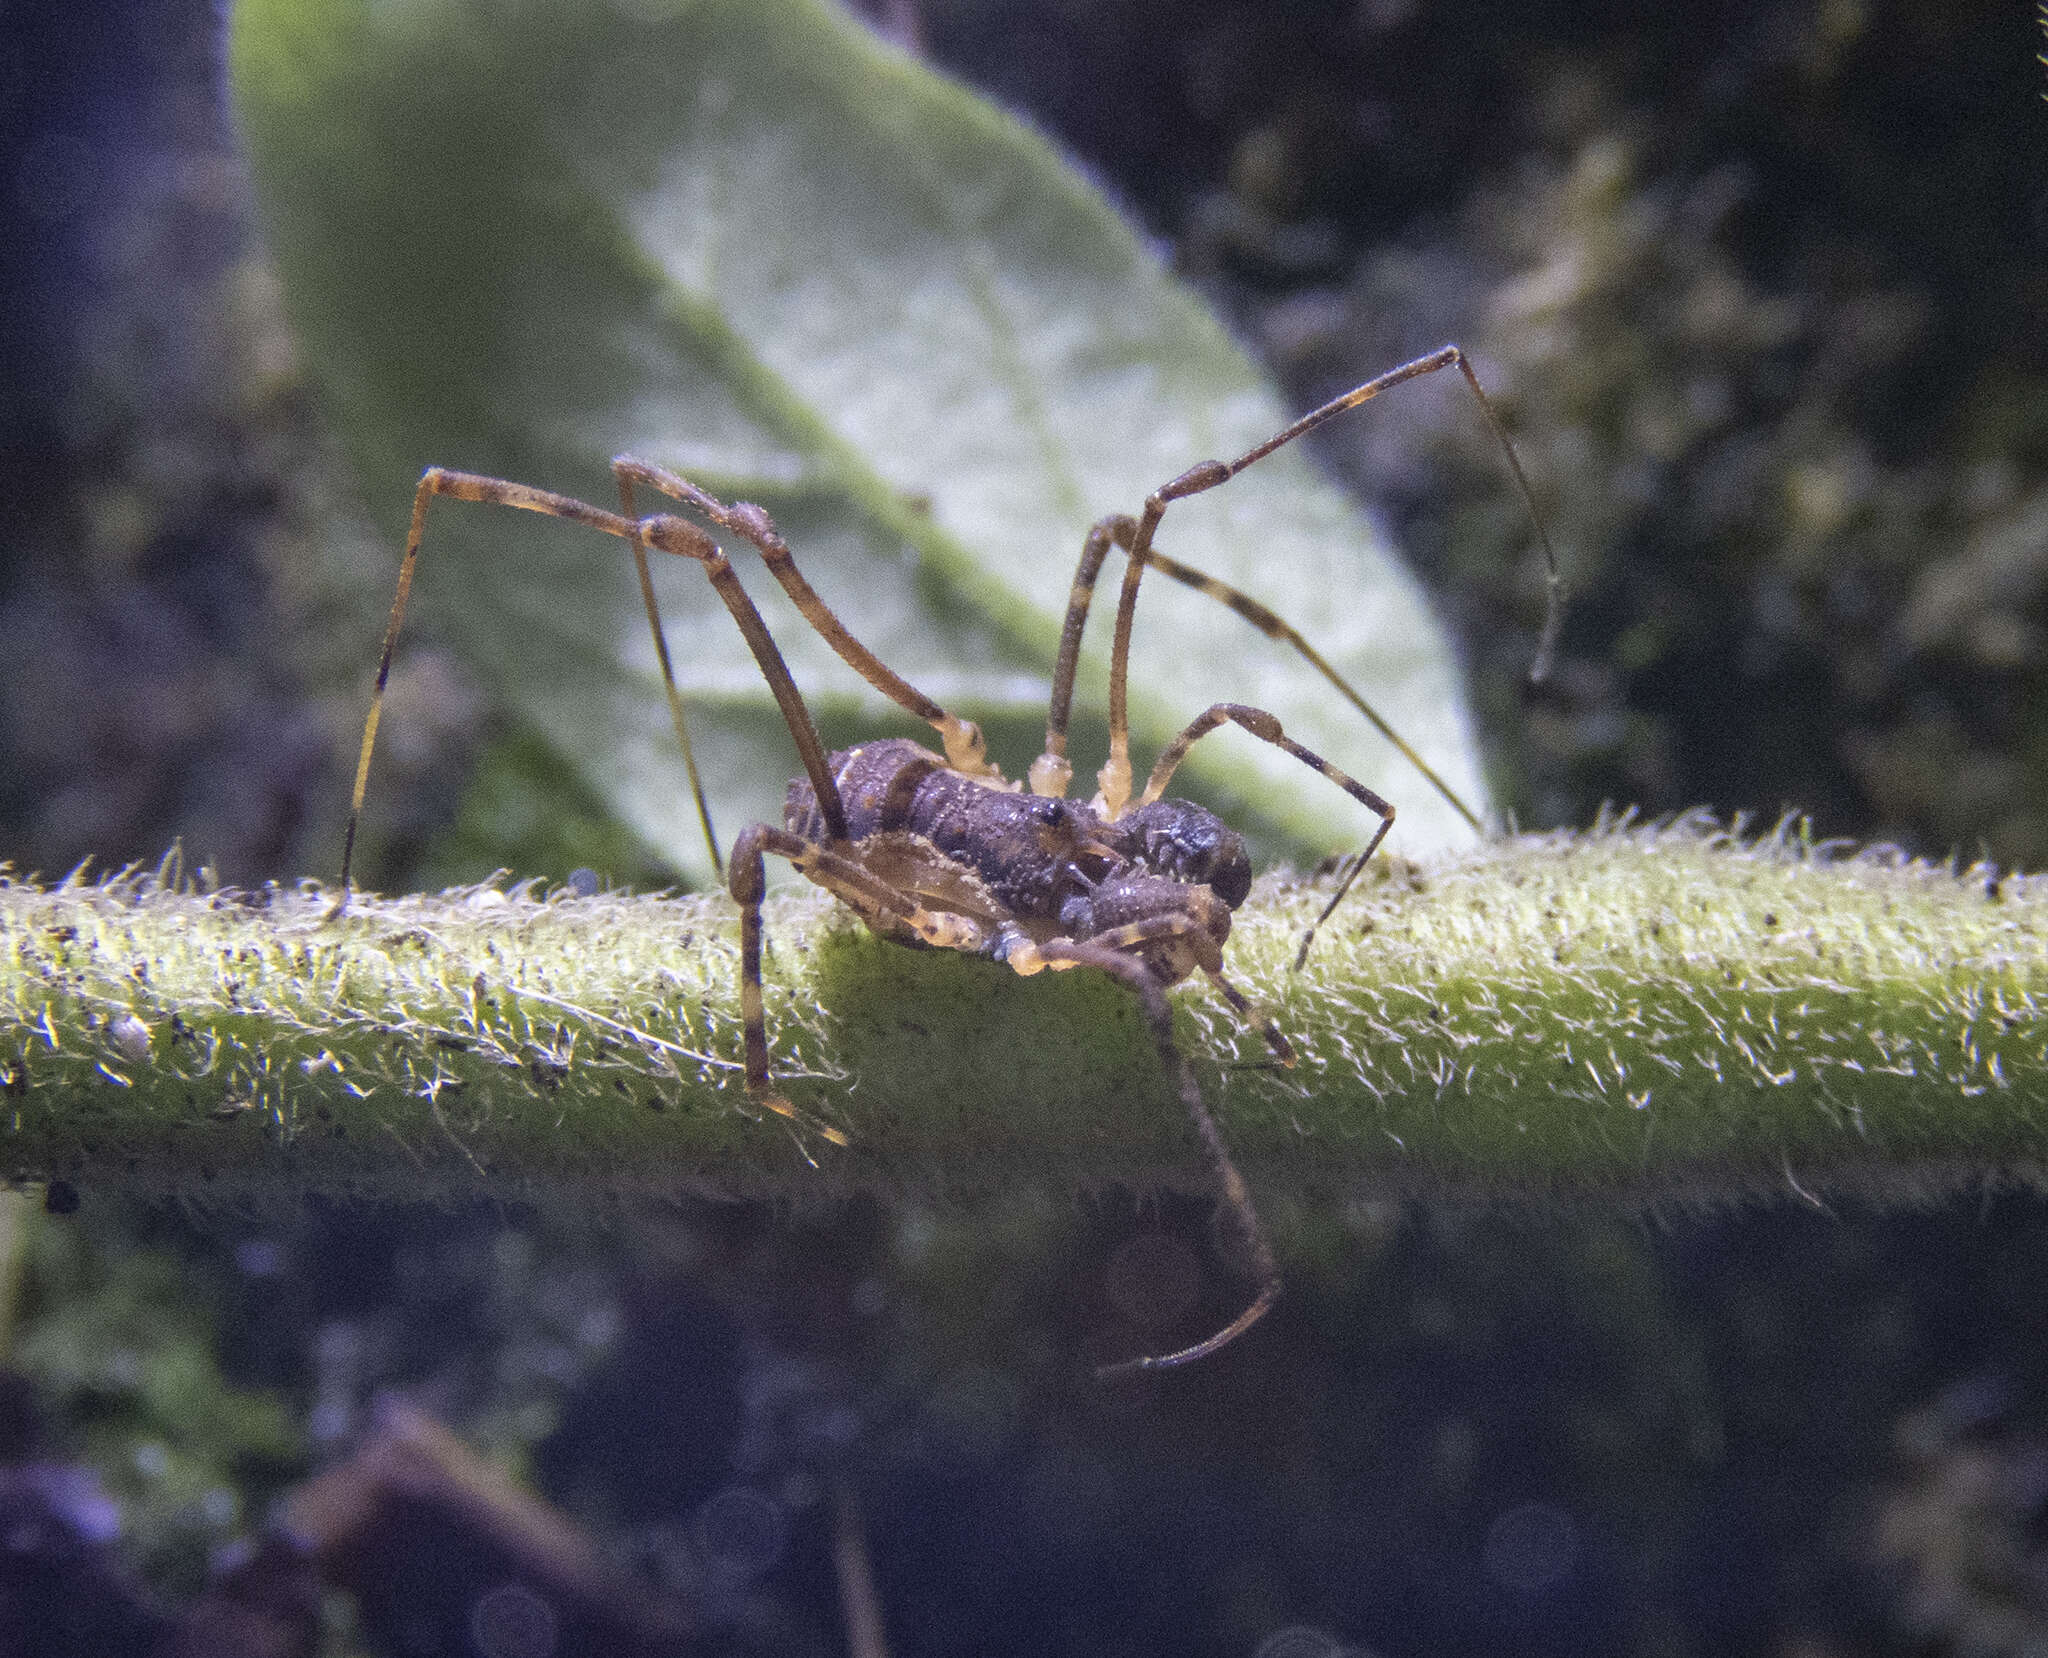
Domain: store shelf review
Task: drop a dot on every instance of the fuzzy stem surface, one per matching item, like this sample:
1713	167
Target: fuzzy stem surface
1629	1013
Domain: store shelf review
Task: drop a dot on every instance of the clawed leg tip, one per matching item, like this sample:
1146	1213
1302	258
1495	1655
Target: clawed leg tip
803	1119
1201	1350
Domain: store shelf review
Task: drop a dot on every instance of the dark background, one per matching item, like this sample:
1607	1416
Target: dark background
1761	288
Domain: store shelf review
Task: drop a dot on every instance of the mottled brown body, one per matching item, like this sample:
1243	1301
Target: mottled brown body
1046	868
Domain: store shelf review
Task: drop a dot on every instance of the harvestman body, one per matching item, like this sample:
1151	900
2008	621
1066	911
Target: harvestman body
940	849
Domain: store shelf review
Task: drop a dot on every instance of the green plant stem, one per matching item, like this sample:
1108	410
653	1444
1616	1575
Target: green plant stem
1635	1013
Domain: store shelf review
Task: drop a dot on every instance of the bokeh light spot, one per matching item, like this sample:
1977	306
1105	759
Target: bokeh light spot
1153	1280
1299	1640
741	1531
511	1621
1531	1547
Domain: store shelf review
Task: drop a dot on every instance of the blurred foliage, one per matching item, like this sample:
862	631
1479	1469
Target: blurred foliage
1761	289
1761	286
123	1345
741	240
526	809
1567	1433
1963	1520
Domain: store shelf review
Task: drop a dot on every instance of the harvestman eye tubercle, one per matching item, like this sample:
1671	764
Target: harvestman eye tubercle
939	849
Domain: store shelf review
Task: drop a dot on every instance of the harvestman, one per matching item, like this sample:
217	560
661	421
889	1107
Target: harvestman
946	852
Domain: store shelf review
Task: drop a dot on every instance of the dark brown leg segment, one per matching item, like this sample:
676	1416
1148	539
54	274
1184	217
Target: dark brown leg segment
1263	726
462	486
748	882
962	738
838	869
1237	1196
1051	772
663	533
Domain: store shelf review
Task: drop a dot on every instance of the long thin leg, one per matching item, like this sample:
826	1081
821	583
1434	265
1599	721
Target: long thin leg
1263	726
1236	1195
668	680
1209	957
845	877
962	738
1025	957
1277	628
1115	778
1250	1013
1051	772
747	882
661	532
435	481
673	535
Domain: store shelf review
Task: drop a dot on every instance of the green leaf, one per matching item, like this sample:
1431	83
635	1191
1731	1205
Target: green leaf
745	240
